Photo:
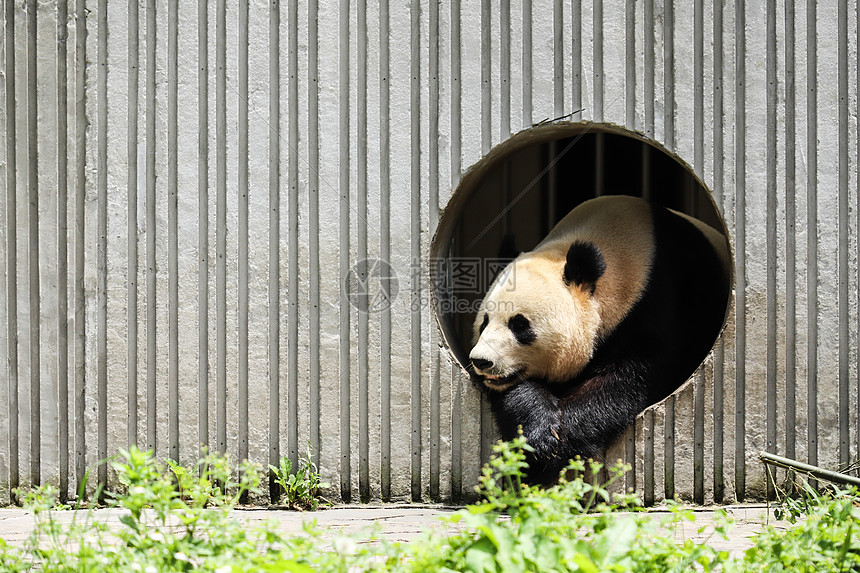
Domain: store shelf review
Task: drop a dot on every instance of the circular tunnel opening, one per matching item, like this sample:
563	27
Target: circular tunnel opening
510	200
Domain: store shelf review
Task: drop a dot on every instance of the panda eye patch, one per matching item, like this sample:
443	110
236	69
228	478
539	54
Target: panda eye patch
522	329
485	323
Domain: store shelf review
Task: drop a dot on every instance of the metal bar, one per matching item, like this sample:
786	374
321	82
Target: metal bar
648	422
669	142
630	457
648	69
433	200
203	224
597	46
101	230
699	437
699	167
831	476
415	228
486	144
812	238
49	267
487	426
648	457
456	142
12	247
770	230
504	66
558	58
63	247
292	236
790	238
719	421
242	262
456	94
35	311
457	435
486	78
344	353
698	87
314	226
669	448
274	346
630	63
80	337
385	247
527	63
719	196
221	226
131	210
435	422
576	58
740	253
669	74
844	310
361	248
857	116
173	228
151	291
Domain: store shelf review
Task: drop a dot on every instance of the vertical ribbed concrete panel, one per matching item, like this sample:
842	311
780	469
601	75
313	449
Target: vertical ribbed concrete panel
216	221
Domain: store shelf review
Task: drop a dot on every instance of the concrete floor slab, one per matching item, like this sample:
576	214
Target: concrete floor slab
406	523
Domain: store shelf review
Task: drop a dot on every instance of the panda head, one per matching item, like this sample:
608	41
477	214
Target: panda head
540	318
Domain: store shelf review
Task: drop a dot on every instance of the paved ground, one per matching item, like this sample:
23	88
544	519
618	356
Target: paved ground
403	523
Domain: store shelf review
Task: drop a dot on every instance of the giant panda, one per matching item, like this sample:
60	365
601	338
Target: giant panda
610	313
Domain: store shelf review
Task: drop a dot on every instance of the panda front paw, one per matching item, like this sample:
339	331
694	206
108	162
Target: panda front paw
532	409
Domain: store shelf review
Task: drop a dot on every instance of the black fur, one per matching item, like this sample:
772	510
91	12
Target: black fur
650	354
584	265
508	249
522	329
562	421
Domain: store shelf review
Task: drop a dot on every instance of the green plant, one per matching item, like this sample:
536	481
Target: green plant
797	497
177	518
824	538
172	518
299	490
572	526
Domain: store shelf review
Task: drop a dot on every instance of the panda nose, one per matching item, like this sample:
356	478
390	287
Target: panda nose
482	364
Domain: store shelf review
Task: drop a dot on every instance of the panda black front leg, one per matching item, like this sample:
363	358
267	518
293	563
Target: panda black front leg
531	406
598	408
563	422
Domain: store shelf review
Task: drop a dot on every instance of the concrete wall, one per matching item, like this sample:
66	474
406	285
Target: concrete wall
187	185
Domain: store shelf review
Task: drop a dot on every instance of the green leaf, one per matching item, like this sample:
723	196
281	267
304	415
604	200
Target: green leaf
481	557
616	541
481	509
288	565
130	522
585	563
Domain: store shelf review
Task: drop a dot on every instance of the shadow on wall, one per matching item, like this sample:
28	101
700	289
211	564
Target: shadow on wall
511	199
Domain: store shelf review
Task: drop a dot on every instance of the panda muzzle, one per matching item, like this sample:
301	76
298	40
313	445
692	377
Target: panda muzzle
482	365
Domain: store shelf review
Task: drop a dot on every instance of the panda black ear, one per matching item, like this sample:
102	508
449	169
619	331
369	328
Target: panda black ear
584	265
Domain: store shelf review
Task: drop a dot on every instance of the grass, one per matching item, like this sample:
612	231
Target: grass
300	489
179	519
